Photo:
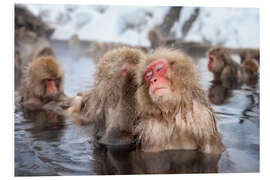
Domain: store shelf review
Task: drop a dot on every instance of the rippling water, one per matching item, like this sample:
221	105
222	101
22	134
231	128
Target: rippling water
59	147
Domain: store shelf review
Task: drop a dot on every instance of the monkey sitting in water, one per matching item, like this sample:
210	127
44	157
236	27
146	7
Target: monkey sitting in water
110	104
228	72
43	85
157	97
173	110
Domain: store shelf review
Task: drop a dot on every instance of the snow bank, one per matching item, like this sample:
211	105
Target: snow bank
234	27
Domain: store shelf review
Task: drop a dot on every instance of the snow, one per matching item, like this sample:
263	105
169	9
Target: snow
233	27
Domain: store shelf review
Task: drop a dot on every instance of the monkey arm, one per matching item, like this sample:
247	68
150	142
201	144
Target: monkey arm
32	104
54	107
73	110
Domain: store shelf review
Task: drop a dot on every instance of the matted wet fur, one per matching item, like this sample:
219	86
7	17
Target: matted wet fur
111	101
33	90
184	119
225	70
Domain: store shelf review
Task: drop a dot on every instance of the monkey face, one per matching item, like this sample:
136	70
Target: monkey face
51	87
155	76
251	66
216	63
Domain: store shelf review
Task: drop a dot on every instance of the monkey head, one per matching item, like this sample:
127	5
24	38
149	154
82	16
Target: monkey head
251	66
164	77
45	78
47	51
117	66
217	59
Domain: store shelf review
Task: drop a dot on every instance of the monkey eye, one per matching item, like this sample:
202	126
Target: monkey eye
159	67
148	74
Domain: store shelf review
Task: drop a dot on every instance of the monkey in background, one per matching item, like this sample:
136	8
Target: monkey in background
43	86
218	94
251	67
248	54
173	110
225	70
46	51
229	72
110	104
155	39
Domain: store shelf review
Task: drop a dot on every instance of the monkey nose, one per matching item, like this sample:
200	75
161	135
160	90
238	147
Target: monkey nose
153	80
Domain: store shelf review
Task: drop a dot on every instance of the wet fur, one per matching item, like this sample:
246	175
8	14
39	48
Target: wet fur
225	70
183	121
111	101
33	88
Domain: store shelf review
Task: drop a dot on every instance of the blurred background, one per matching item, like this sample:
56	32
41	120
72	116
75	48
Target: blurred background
232	27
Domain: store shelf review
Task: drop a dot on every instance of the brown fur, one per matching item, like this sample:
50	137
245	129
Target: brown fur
98	49
112	99
248	54
251	67
33	89
155	39
229	72
47	51
18	69
185	120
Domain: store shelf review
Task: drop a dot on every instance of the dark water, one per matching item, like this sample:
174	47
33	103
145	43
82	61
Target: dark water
47	144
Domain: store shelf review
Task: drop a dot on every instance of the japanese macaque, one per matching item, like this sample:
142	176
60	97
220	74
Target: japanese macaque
251	67
229	72
155	39
218	94
248	54
111	102
172	107
47	51
43	85
225	70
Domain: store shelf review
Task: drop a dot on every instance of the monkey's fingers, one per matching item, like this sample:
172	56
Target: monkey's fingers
53	107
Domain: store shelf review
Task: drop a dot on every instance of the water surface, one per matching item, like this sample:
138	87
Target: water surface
50	145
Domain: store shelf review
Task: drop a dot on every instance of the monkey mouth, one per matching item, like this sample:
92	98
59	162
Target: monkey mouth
159	88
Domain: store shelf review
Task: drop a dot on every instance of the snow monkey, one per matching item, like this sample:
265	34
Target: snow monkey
225	70
228	72
43	83
248	54
173	110
110	104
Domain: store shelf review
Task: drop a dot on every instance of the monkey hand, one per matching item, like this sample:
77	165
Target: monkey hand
54	107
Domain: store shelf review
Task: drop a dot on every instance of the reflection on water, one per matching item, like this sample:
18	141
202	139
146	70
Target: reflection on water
48	144
109	162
